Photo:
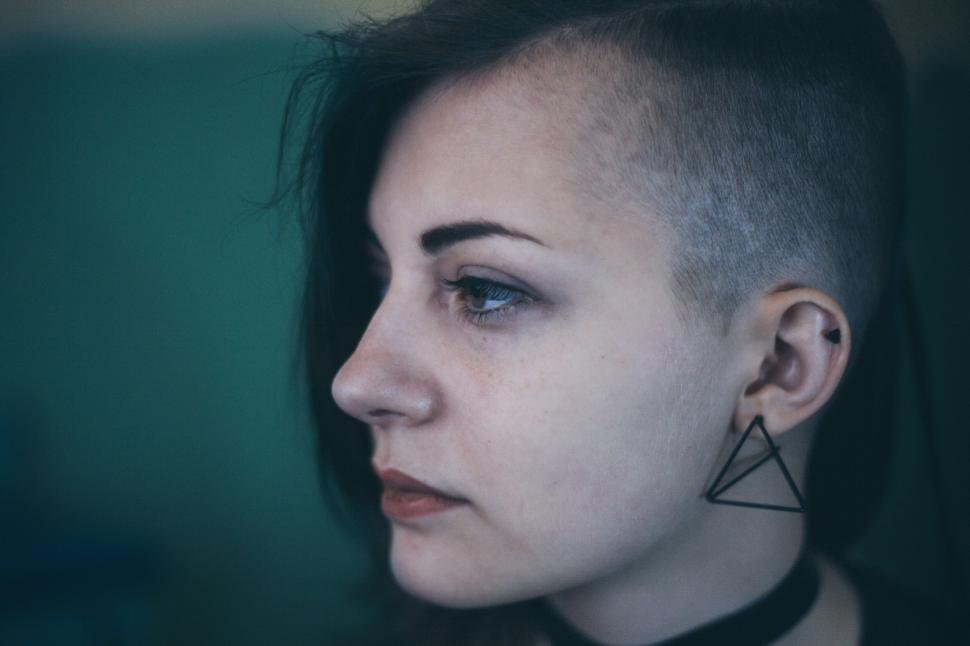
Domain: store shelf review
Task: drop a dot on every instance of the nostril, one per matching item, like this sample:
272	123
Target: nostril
379	412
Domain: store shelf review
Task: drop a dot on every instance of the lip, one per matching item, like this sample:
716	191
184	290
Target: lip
406	497
394	479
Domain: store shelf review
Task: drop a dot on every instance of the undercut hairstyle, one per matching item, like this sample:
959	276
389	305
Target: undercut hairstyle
764	135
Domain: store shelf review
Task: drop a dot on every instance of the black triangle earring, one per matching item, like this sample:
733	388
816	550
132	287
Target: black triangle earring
716	489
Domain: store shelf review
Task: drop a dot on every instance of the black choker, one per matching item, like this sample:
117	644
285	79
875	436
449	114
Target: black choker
757	624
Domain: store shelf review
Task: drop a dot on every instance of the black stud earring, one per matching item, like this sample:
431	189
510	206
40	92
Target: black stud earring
716	489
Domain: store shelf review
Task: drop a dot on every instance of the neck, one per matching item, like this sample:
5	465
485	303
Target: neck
719	561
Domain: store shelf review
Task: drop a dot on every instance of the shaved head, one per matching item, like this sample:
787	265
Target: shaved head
759	179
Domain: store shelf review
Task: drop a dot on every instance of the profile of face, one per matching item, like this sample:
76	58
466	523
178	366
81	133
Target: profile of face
558	392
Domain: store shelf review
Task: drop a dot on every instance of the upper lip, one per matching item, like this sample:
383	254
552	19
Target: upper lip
394	479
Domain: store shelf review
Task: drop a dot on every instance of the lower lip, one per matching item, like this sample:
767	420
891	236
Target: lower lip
403	505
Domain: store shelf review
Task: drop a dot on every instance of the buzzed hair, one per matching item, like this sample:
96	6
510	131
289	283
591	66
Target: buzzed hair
765	134
767	139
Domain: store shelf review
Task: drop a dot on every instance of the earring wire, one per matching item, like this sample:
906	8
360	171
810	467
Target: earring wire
774	452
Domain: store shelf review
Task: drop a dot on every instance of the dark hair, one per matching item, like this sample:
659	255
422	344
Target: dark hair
766	134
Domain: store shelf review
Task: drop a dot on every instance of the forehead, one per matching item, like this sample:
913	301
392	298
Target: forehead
505	149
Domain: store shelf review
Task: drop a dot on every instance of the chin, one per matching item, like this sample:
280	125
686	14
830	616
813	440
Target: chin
441	585
450	583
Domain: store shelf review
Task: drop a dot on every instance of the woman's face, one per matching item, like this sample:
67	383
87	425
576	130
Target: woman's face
574	411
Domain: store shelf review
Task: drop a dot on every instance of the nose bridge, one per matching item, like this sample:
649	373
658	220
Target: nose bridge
386	380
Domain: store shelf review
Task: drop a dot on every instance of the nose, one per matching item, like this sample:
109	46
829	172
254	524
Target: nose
386	381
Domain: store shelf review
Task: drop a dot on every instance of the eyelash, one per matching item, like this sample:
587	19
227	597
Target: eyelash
490	290
469	287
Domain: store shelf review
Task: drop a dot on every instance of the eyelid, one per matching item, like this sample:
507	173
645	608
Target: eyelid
513	297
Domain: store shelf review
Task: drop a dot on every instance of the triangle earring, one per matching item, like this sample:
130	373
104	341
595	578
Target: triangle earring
714	493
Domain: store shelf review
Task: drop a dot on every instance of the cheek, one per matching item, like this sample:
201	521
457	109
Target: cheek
584	454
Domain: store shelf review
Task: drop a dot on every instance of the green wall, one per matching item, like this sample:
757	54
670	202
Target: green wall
147	329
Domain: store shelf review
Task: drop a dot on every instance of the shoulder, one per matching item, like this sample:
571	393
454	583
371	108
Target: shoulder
891	614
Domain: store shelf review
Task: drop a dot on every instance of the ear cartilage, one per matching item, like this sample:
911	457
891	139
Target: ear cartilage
834	335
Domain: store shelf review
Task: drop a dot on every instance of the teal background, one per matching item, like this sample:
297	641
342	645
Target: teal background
148	312
146	385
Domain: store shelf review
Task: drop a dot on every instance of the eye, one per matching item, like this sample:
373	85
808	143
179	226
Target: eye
498	301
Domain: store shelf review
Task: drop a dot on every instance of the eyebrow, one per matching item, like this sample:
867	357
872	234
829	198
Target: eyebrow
437	239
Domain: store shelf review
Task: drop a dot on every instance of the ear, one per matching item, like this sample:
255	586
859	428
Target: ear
798	351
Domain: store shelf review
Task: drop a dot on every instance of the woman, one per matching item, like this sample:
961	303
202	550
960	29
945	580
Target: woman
585	280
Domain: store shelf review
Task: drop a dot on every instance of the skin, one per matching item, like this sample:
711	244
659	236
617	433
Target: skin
585	423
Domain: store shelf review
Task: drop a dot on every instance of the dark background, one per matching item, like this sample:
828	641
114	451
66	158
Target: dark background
156	472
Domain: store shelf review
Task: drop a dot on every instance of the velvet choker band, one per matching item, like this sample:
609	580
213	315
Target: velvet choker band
757	624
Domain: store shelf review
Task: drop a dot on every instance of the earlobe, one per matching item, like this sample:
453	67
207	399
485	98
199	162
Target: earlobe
805	359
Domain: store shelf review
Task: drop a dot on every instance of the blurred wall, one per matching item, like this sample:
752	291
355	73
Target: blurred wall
147	308
146	395
150	19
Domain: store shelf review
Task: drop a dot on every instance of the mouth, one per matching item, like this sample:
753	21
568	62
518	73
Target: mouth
406	497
